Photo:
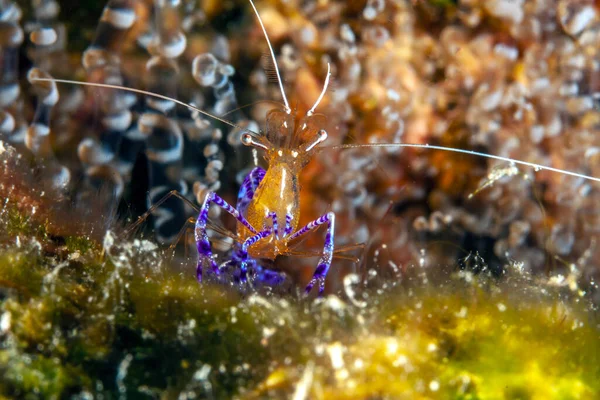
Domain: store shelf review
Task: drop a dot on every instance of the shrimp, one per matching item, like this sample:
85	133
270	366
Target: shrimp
267	209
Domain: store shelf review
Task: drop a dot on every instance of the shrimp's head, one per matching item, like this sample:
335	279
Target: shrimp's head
289	140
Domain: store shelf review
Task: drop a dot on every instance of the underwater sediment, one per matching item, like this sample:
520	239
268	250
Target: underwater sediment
477	279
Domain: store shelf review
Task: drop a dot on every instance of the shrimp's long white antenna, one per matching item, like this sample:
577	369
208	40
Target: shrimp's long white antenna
471	152
285	101
144	92
312	110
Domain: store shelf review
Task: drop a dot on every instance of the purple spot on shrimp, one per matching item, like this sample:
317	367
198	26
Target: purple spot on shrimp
321	270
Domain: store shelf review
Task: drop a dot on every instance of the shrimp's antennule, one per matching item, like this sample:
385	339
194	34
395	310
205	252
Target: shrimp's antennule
144	92
537	167
248	140
312	110
288	110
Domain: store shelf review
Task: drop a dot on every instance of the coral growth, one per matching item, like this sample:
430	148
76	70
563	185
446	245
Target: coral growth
477	279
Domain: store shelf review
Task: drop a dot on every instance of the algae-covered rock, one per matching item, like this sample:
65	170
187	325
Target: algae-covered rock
116	320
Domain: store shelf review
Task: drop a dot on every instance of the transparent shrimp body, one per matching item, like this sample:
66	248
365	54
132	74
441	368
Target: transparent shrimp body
276	199
267	207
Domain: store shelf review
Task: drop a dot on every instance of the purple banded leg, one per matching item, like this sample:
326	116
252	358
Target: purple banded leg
240	256
249	186
202	242
288	225
273	215
325	261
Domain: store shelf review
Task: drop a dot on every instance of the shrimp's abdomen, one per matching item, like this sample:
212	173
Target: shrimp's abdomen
277	193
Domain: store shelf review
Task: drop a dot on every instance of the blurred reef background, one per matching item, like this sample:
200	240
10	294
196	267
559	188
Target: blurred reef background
474	279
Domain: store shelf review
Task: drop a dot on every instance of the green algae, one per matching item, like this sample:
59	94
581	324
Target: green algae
19	271
117	319
456	341
17	223
41	376
81	244
504	344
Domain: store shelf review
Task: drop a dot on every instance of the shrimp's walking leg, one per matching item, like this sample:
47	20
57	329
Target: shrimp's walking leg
325	261
275	224
155	206
240	256
202	242
288	225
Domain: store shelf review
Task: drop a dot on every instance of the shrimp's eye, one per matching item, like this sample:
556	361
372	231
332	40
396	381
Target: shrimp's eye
247	139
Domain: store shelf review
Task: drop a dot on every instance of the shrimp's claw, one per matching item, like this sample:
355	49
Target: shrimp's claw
267	277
